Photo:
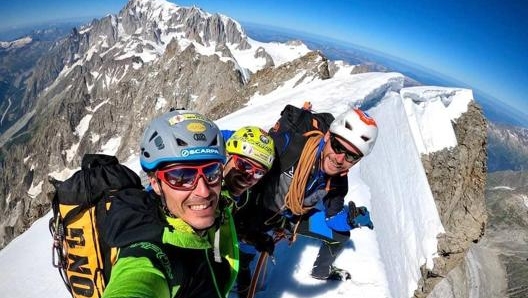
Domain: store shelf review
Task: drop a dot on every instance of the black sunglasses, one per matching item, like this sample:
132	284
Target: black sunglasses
338	148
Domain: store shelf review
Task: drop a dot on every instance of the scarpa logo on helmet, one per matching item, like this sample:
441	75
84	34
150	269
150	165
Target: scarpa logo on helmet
199	151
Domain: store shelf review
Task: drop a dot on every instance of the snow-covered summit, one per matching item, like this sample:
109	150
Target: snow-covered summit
431	111
144	29
16	43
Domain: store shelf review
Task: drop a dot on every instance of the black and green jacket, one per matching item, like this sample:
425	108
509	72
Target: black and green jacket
161	256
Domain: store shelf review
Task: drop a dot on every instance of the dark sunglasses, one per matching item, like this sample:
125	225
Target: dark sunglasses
338	148
245	166
185	177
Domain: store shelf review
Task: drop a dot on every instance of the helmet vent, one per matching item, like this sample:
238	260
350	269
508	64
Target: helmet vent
181	142
158	141
214	142
145	153
155	134
348	126
365	138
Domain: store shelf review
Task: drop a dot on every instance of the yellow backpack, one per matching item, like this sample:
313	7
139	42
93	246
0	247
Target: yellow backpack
79	206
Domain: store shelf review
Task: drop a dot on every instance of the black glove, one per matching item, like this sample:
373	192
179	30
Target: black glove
264	243
359	216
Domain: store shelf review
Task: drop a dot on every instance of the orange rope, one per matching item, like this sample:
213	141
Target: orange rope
295	196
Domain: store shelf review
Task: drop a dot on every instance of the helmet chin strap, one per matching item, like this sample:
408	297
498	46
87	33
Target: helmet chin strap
163	199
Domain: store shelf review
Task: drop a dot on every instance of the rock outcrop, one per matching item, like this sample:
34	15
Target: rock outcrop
457	177
104	81
497	265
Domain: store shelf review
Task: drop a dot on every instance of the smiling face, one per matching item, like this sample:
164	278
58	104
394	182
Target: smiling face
196	207
238	179
334	164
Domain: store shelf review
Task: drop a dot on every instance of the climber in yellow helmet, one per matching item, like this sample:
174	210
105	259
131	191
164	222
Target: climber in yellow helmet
250	155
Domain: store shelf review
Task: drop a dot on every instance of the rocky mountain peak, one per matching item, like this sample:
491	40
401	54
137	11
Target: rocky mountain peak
101	83
157	20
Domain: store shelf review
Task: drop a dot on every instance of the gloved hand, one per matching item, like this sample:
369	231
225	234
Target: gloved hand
262	242
359	216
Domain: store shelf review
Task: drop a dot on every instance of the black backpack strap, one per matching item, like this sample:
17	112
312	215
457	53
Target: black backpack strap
289	133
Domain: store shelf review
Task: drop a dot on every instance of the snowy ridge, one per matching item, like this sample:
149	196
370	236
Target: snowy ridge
430	111
391	182
402	202
16	43
280	53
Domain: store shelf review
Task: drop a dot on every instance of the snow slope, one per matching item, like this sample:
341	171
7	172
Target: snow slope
391	182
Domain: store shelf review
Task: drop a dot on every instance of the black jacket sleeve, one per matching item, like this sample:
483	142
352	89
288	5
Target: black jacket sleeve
134	216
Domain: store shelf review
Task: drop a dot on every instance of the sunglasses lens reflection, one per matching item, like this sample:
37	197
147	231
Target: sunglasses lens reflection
247	167
186	177
339	148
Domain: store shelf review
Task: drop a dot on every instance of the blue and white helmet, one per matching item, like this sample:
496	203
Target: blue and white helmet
180	136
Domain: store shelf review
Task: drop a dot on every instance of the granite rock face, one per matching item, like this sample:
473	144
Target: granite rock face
104	81
497	265
457	177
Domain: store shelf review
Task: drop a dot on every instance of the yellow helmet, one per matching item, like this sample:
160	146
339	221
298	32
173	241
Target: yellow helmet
254	143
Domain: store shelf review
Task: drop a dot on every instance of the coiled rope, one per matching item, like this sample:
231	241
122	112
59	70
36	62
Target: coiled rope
295	196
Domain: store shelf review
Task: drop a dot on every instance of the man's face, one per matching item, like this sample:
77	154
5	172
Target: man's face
241	173
338	156
191	191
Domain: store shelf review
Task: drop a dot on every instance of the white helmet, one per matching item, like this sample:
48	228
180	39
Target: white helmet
356	127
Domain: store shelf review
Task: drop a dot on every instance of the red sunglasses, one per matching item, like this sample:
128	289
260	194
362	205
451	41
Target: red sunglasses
245	166
338	148
185	177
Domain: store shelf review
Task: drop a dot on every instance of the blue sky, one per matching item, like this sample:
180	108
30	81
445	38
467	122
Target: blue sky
480	42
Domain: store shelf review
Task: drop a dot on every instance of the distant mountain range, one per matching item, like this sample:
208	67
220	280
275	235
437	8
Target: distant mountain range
505	152
494	109
507	148
18	58
16	32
